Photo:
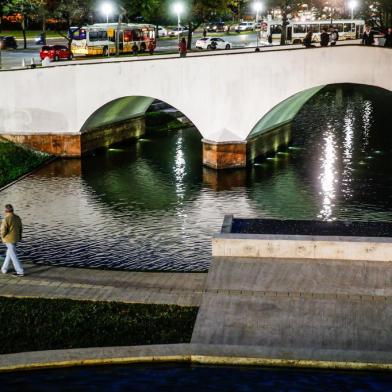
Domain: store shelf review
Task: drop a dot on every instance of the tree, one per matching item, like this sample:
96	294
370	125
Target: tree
287	9
24	9
74	13
199	11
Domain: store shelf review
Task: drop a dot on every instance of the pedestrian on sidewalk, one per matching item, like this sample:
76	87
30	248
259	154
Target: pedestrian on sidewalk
324	38
368	37
182	47
11	234
333	36
388	38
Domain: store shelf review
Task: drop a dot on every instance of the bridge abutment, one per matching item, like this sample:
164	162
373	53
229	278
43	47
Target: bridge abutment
224	155
74	145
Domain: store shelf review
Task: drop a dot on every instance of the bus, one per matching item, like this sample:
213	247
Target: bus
100	38
271	30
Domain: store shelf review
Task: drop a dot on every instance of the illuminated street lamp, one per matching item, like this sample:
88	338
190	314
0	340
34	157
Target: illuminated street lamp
352	4
257	7
107	9
178	9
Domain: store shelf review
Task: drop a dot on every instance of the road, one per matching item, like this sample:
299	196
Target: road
13	58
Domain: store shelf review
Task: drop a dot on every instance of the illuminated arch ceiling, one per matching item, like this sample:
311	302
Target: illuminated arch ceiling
284	112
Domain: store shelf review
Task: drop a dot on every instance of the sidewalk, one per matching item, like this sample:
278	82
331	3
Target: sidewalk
42	281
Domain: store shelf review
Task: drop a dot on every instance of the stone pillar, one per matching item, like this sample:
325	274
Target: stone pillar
224	155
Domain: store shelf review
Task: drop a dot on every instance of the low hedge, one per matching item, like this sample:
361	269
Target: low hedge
46	324
17	160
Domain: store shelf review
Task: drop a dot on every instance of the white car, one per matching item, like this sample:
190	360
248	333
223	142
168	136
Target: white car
162	32
178	30
245	26
211	43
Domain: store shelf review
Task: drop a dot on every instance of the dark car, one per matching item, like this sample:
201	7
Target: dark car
216	27
55	52
7	42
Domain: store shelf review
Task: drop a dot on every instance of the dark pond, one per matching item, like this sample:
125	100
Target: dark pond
172	378
153	206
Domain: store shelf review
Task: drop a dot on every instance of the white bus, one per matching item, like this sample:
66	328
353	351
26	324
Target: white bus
100	38
271	30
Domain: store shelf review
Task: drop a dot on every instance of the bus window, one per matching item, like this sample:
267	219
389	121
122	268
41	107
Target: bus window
348	27
127	35
315	28
340	27
276	29
299	28
98	36
77	34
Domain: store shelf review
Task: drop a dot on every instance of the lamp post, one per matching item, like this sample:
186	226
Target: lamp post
352	4
107	9
257	7
178	9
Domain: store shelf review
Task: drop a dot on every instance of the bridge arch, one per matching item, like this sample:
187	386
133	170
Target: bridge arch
273	130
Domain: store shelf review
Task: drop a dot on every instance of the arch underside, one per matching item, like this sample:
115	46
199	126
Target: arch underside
118	110
285	112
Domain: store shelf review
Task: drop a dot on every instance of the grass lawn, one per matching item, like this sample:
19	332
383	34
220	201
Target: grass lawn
16	160
46	324
30	34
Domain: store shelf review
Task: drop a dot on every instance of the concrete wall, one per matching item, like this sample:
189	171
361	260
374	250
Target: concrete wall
224	95
303	247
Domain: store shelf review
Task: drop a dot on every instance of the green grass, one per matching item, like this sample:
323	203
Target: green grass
30	33
46	324
16	160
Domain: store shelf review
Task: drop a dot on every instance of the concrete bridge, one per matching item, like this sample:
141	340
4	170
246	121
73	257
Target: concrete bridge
236	99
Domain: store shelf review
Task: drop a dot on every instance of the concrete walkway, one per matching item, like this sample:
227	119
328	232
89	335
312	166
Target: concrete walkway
45	281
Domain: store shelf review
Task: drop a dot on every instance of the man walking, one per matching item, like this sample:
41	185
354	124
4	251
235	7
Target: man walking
11	234
368	36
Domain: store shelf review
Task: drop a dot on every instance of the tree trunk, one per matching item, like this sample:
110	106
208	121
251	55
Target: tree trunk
44	28
190	31
284	24
23	24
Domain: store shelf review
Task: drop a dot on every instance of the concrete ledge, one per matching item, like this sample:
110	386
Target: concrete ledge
271	238
224	155
184	353
302	247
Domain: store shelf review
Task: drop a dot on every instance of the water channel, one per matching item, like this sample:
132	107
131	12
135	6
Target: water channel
153	206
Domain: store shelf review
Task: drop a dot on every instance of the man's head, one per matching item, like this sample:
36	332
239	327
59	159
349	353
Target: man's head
367	28
389	30
8	208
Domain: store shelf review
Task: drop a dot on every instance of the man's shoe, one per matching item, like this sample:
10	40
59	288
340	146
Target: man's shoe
17	275
3	272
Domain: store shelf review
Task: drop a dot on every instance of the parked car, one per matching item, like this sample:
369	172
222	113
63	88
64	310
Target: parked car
162	32
8	42
214	27
212	43
245	26
178	30
55	52
379	37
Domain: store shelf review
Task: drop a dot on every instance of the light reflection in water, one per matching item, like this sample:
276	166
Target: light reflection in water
367	123
348	146
328	176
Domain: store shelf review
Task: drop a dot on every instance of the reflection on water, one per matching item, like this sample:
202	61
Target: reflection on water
152	205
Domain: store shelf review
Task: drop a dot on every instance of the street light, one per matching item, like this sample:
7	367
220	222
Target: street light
107	9
352	4
257	7
178	9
